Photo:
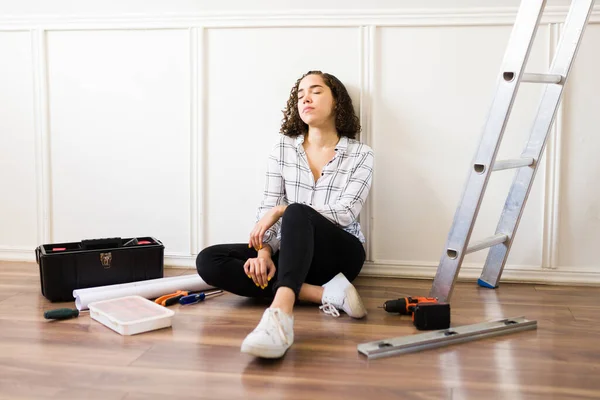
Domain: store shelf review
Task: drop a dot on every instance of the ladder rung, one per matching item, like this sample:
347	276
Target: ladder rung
480	245
514	163
487	242
542	78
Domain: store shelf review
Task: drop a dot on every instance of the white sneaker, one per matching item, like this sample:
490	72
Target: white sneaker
339	293
273	335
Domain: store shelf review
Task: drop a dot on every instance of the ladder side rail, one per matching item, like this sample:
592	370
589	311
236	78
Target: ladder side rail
562	63
515	59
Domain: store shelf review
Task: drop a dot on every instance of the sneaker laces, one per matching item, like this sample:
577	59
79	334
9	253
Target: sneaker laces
330	309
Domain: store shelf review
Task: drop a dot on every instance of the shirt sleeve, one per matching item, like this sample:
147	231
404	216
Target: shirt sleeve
273	195
347	208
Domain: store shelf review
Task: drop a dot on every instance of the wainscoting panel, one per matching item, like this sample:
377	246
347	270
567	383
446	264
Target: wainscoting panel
120	135
249	77
18	179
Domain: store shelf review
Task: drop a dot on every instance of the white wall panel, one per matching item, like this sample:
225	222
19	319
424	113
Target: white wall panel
18	207
120	135
434	89
122	123
579	223
250	75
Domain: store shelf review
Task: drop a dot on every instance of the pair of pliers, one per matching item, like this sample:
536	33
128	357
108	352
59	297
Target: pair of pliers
172	298
196	298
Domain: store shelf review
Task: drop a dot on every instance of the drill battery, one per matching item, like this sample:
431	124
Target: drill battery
427	313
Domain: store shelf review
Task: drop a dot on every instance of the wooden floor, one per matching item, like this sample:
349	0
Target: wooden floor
199	356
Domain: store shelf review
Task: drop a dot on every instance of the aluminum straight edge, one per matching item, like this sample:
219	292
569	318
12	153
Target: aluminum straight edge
519	191
512	68
445	337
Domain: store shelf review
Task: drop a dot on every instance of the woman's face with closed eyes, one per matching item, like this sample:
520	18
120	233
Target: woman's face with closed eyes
315	101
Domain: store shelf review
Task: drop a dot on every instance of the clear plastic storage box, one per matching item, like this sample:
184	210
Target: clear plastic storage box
131	314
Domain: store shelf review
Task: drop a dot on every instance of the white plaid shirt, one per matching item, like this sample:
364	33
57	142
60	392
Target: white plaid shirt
339	194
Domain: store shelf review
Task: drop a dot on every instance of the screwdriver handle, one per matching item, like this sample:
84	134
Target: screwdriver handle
173	300
61	313
193	298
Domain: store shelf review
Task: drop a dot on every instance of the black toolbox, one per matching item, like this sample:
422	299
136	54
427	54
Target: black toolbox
65	267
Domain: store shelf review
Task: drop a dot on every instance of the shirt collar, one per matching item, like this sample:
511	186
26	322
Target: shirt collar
342	145
299	140
339	148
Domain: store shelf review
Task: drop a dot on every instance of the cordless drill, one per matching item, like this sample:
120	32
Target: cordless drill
427	313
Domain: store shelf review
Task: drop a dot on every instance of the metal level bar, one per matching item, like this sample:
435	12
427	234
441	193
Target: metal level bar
515	59
445	337
542	78
523	181
514	163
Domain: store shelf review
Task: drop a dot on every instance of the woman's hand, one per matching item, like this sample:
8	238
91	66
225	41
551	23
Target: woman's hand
267	221
261	269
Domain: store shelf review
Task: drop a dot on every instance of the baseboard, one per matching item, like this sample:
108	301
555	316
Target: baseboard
180	261
28	255
17	254
588	276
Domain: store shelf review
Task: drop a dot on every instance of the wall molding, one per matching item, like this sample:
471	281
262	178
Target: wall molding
583	276
532	274
180	261
26	254
42	136
368	51
8	253
535	274
201	108
553	151
564	275
195	136
458	16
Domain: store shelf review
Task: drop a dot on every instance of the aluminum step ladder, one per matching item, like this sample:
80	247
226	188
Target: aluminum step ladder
484	163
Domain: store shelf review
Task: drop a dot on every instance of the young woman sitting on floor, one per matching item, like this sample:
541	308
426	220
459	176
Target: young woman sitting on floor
307	243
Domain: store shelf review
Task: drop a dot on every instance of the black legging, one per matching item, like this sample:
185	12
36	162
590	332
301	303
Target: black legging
312	250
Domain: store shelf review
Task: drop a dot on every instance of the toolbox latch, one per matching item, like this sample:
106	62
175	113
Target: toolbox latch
106	259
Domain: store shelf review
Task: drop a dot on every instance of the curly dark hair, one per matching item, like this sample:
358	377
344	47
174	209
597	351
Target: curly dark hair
346	121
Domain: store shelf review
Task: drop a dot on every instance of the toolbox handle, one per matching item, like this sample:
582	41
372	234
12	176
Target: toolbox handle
96	244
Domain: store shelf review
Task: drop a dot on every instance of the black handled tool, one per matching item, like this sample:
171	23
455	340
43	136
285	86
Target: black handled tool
62	313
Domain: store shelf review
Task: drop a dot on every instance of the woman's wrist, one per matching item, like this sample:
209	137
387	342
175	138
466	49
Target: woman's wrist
280	210
265	251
